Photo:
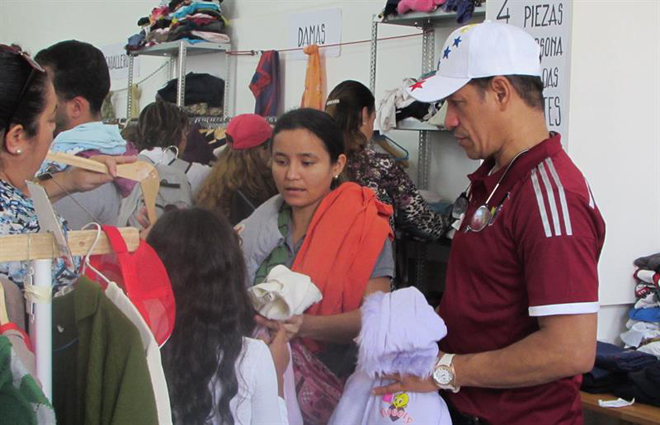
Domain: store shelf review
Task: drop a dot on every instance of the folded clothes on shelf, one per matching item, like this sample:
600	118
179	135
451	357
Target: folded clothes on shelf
188	20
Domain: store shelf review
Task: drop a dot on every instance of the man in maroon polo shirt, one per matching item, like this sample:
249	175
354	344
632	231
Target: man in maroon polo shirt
521	293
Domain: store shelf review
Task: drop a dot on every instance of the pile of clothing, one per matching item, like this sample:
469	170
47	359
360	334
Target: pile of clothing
626	373
644	325
204	94
463	8
397	105
90	139
192	20
634	371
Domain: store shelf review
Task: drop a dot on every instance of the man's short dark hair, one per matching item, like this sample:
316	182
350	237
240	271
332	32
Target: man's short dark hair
79	69
528	87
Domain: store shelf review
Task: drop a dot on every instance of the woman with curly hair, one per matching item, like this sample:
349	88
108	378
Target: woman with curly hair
241	179
352	106
215	372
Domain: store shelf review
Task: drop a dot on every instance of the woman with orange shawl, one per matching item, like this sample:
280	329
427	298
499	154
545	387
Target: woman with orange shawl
340	238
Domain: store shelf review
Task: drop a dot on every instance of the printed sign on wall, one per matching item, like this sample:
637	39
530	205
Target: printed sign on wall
117	59
322	27
549	22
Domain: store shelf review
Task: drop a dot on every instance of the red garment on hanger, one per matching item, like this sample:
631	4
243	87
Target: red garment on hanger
143	278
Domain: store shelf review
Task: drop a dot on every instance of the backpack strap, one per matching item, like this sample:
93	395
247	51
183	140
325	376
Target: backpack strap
180	164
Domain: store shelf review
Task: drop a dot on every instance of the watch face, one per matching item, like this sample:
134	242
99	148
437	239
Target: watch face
443	376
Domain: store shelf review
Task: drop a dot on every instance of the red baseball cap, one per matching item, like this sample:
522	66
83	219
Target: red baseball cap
248	131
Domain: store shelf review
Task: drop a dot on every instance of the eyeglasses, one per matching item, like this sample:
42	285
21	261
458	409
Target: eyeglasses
35	68
483	216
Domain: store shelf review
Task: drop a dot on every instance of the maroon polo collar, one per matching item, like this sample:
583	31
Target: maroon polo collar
519	169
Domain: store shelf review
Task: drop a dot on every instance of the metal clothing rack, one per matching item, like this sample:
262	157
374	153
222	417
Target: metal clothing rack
428	23
216	121
40	249
178	51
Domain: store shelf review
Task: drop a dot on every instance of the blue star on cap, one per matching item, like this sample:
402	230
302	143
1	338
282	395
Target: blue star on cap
446	53
457	41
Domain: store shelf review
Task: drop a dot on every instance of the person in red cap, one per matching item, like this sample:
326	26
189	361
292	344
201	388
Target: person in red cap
241	179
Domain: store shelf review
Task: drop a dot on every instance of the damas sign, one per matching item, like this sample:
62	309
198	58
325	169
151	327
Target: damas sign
321	27
549	22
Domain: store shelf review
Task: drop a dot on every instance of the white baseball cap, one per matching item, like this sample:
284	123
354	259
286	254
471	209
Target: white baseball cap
477	51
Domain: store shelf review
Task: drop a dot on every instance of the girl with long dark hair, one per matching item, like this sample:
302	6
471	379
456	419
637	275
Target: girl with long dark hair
215	372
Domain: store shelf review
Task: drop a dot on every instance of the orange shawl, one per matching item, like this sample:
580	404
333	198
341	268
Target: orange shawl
341	247
313	94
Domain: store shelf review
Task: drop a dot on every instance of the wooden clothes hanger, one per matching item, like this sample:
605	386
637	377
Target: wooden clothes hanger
139	171
42	245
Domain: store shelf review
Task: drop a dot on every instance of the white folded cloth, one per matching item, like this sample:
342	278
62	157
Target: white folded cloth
284	294
394	99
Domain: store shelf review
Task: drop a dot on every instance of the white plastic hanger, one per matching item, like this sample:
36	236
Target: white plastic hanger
86	262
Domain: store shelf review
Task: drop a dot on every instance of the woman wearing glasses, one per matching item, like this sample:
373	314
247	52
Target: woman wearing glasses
27	121
352	106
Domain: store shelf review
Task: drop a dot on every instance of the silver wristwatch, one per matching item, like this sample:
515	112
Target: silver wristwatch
444	375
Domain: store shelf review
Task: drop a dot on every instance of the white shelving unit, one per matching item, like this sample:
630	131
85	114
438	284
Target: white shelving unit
417	126
178	52
428	23
435	19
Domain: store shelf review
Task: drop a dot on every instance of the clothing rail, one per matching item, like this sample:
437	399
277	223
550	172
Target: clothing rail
220	121
41	248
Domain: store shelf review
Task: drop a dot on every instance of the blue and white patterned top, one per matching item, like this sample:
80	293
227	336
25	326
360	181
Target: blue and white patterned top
17	216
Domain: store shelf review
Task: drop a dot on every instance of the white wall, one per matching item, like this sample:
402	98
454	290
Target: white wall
615	130
36	24
615	92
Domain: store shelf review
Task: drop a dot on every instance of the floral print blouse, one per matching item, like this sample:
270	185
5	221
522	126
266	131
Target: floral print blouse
17	216
392	185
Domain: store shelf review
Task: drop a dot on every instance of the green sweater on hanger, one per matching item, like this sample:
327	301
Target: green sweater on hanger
21	399
100	373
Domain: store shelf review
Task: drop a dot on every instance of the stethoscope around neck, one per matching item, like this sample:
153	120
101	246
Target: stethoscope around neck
483	216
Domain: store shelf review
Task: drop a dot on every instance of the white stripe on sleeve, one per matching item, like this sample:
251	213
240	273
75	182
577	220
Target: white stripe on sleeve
541	204
592	203
568	308
562	196
551	199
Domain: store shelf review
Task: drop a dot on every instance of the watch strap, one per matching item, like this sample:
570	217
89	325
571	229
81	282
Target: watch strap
446	361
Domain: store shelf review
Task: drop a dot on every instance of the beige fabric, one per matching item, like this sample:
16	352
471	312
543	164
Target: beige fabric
439	118
4	317
284	294
14	302
118	298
